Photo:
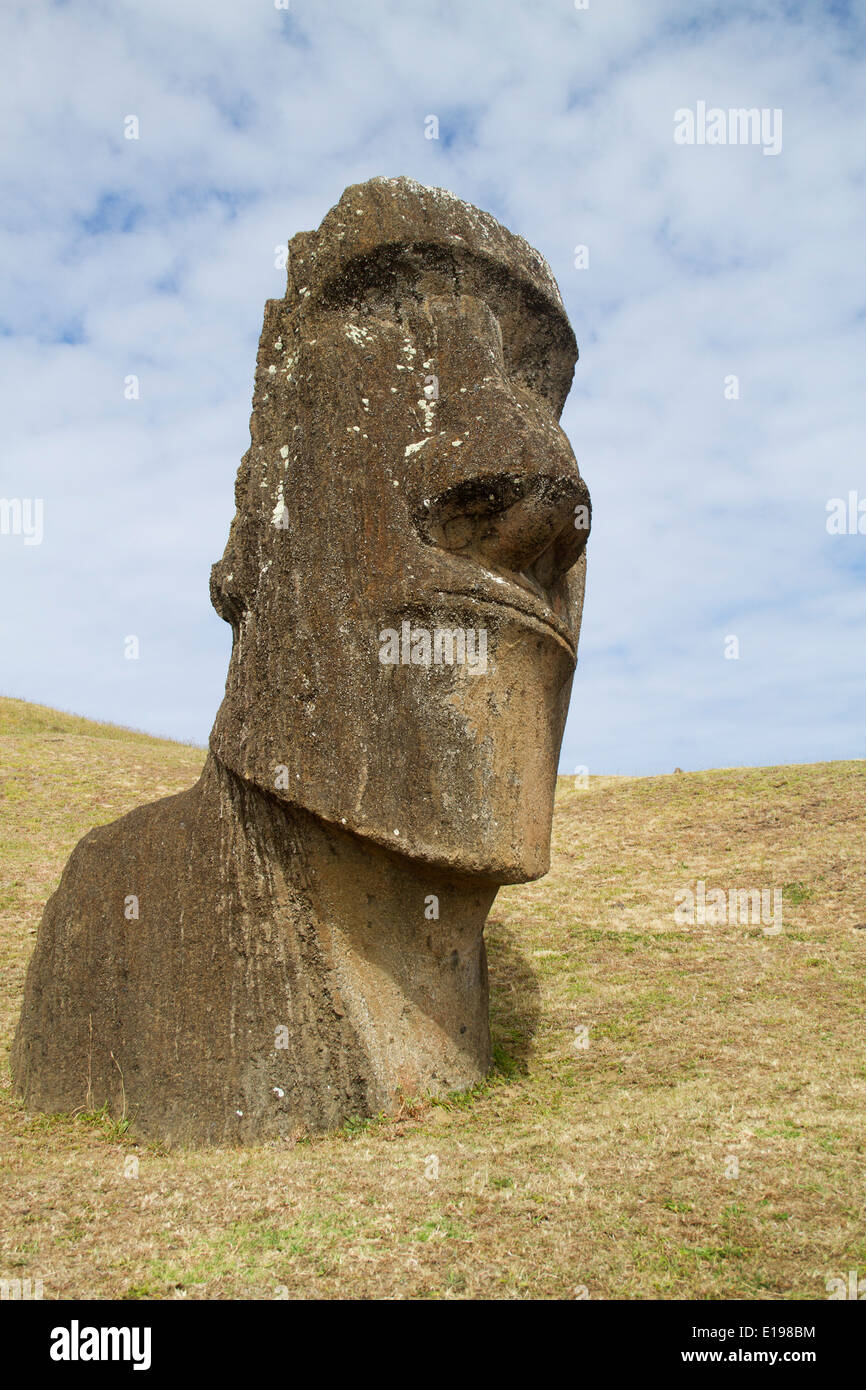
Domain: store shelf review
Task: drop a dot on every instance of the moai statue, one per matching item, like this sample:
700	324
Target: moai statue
299	938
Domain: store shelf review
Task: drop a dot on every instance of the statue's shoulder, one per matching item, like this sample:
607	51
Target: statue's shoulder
155	834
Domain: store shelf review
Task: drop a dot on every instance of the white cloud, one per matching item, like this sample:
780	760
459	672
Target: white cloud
155	256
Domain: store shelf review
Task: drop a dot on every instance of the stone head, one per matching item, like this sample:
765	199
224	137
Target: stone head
404	573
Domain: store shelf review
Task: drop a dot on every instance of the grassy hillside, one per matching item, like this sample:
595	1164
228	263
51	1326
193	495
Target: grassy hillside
707	1140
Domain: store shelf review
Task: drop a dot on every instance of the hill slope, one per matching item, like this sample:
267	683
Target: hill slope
677	1110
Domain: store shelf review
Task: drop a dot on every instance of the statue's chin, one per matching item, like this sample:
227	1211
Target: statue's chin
440	847
453	770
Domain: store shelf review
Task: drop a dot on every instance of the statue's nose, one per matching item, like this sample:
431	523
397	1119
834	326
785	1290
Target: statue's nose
535	525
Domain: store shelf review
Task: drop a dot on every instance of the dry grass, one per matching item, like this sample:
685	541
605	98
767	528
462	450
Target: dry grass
603	1168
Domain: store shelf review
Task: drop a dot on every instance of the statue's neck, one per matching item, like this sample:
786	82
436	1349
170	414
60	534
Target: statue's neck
403	940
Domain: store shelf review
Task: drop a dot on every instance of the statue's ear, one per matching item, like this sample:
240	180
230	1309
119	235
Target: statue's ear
234	578
225	594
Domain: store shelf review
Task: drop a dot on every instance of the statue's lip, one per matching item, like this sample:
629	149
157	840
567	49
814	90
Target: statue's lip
537	611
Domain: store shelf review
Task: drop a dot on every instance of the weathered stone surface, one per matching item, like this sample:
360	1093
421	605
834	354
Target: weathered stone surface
308	942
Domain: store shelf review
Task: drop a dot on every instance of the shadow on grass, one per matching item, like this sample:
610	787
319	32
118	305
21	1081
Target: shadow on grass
515	1002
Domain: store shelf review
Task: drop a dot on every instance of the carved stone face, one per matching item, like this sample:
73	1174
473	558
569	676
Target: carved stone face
409	497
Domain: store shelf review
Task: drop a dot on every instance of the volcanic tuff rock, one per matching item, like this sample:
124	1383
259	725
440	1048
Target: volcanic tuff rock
299	937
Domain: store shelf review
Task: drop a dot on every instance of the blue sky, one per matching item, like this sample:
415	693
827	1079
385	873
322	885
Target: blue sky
154	257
